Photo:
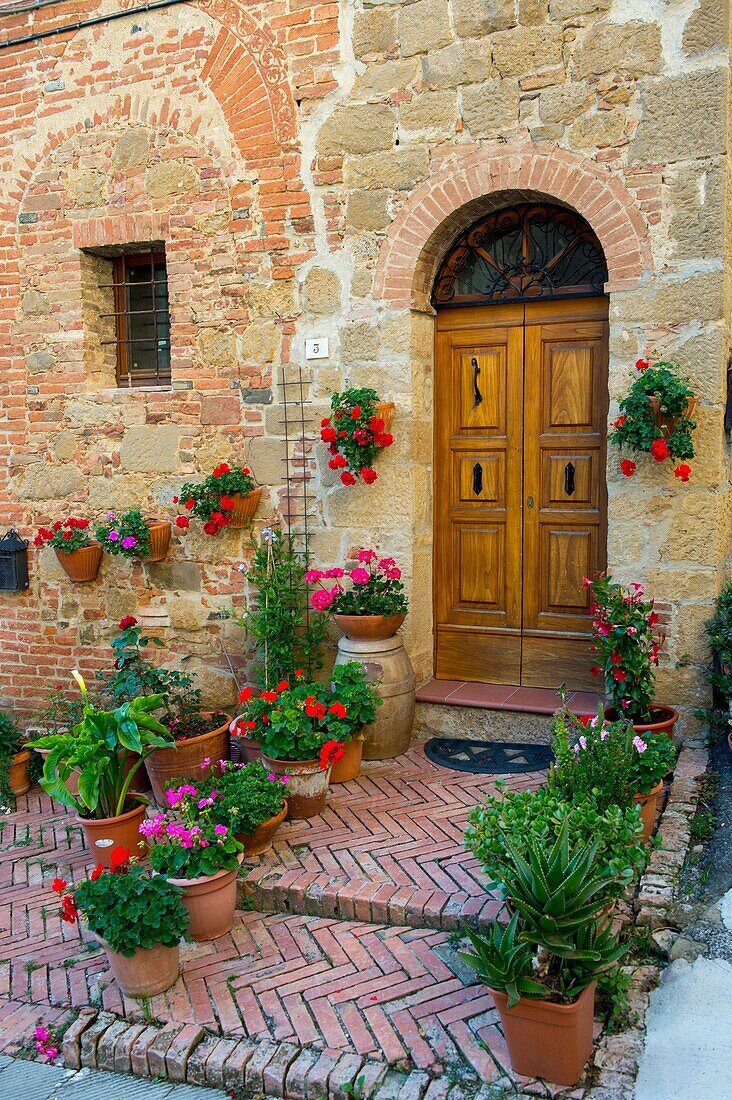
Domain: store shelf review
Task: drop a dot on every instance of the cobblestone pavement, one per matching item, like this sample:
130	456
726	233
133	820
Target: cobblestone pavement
386	855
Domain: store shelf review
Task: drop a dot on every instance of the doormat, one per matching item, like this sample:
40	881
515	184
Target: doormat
487	757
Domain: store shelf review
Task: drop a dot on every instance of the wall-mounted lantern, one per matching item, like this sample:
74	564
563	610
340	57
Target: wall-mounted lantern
13	562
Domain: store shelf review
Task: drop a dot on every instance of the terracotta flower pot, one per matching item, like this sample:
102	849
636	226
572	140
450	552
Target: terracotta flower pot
386	411
81	565
307	785
261	839
648	804
669	422
369	628
159	539
151	970
244	508
349	765
183	761
18	777
104	834
548	1040
665	718
210	901
243	749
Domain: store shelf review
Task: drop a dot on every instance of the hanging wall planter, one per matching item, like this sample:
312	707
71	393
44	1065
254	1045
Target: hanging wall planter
134	536
243	508
78	556
82	565
656	418
228	497
356	431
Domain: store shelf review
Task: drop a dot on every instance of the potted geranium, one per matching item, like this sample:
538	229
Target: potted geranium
300	727
349	684
655	417
541	966
102	755
78	556
375	605
138	918
250	800
611	764
355	433
626	649
14	761
228	497
195	734
199	855
132	536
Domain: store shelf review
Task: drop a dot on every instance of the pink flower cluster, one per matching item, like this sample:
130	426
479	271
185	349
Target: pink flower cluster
639	744
46	1044
322	599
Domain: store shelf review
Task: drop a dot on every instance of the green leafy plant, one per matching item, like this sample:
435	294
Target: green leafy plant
197	844
128	535
11	742
502	960
246	795
655	417
718	632
524	817
355	434
277	618
210	500
64	535
349	684
376	588
126	907
627	648
106	749
606	762
180	701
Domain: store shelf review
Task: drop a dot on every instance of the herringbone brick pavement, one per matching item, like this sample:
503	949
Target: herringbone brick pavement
371	985
388	848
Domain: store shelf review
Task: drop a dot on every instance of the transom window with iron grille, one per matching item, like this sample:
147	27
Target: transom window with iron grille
141	319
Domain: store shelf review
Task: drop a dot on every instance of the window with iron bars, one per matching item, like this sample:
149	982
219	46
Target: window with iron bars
141	319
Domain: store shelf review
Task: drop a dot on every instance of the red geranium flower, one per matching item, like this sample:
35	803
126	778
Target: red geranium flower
616	659
338	709
245	694
97	872
369	475
283	685
682	472
211	527
189	503
347	478
376	424
330	753
269	696
642	364
226	501
628	467
183	522
619	675
59	885
325	422
619	422
127	622
384	439
328	434
659	449
120	856
355	412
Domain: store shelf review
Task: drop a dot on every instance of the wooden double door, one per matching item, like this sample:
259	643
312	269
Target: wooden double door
519	490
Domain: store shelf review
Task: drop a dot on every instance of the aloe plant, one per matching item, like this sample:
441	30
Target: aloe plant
504	961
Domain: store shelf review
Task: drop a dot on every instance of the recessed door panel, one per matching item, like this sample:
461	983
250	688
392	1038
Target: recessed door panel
481	479
480	380
480	559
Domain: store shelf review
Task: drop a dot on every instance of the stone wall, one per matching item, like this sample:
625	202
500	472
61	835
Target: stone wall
306	165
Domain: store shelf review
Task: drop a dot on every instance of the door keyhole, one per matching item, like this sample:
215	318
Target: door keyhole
477	479
477	395
530	502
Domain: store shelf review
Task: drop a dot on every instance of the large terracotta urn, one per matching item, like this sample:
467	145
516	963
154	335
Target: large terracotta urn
389	669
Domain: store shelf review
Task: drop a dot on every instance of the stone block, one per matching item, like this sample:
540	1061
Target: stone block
259	342
86	188
359	341
50	481
430	111
532	12
460	63
368	210
216	348
358	128
374	33
71	1042
491	106
188	612
599	130
174	576
630	48
132	149
399	169
474	18
150	449
565	102
274	300
424	25
35	303
565	9
697	199
266	457
64	445
526	49
40	362
683	117
118	493
695	299
706	28
171	177
322	291
382	78
223	409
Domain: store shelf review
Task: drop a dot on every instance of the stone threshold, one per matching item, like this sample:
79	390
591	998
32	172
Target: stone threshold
505	697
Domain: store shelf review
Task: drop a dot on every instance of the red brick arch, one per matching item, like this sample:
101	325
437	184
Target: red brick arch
468	185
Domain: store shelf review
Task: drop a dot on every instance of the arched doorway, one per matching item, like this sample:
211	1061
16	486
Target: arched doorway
520	499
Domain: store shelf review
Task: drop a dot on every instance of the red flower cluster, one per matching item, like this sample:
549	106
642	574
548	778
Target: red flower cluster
212	500
69	913
353	442
683	472
127	622
330	753
60	532
628	467
660	450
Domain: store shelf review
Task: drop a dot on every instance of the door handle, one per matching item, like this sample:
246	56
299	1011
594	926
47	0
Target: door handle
569	479
477	395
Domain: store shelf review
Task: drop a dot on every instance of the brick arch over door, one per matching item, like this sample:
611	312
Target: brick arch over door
466	186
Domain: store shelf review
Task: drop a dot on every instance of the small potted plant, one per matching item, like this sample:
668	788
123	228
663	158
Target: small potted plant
249	799
350	685
375	605
300	727
14	762
541	967
103	753
655	417
132	536
355	433
199	855
626	649
228	497
195	734
78	556
138	918
610	763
